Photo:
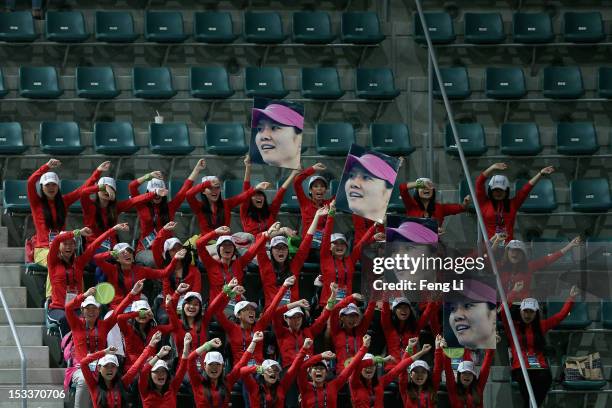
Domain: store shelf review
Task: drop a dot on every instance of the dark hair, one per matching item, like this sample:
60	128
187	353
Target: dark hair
185	262
505	201
413	389
262	392
431	206
259	214
364	381
521	326
163	211
166	385
103	390
148	326
207	210
224	393
60	211
411	322
472	389
281	271
111	213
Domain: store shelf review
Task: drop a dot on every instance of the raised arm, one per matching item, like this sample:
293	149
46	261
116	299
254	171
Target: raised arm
367	317
266	316
83	259
33	197
297	185
90	379
134	370
157	246
355	362
558	317
484	370
409	201
75	195
367	237
191	195
292	372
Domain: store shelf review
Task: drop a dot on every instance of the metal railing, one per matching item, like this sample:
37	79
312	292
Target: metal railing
22	357
434	68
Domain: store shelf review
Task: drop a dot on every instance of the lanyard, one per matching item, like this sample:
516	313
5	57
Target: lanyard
499	216
87	338
345	272
244	340
316	394
346	342
299	339
115	398
419	400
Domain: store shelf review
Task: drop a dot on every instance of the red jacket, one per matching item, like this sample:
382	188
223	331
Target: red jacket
41	239
239	338
90	210
441	210
289	342
397	342
113	397
255	227
347	342
268	275
307	207
527	337
493	218
335	270
228	204
131	276
424	398
451	384
327	395
68	278
362	225
254	388
91	339
149	223
134	344
220	273
153	399
510	277
213	397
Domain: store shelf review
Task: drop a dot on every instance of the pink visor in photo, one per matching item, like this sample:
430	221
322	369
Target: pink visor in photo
280	114
375	165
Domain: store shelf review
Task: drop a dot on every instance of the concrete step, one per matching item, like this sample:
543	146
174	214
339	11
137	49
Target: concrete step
15	296
10	275
28	335
34	376
11	255
37	356
24	316
3	237
54	392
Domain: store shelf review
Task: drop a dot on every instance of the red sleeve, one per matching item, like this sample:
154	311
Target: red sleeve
128	377
325	251
297	185
266	316
409	201
232	202
194	375
172	314
544	261
245	258
244	206
217	305
143	380
33	196
207	260
178	377
192	199
157	246
451	384
367	317
397	370
334	318
302	376
452	209
346	373
356	253
246	373
179	197
133	188
124	317
52	261
319	324
150	273
225	323
291	373
111	320
277	322
90	379
83	259
301	255
71	316
557	318
521	195
74	195
484	370
424	319
101	260
437	370
86	202
385	318
481	191
275	205
312	361
125	205
233	376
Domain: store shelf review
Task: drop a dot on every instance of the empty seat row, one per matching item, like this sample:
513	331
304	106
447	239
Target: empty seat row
205	83
527	28
117	138
215	27
523	139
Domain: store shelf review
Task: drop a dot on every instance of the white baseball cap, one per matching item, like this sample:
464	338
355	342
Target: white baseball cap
351	308
108	359
90	300
424	180
499	181
222	239
279	240
209	178
190	295
293	312
312	179
368	356
140	305
170	243
419	363
160	364
338	236
399	301
122	246
213	357
530	304
241	305
516	244
49	177
270	363
466	366
154	184
107	181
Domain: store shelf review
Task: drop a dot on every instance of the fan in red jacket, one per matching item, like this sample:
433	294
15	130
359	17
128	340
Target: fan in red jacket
318	392
367	390
230	264
156	386
466	389
423	203
108	389
66	271
420	388
317	189
211	389
239	334
498	209
531	329
255	214
362	225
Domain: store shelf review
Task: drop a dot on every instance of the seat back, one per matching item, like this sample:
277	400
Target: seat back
590	195
576	138
15	197
483	28
391	138
225	139
152	82
114	138
520	139
69	186
263	27
583	27
17	26
96	82
604	82
440	28
375	83
456	83
213	27
541	198
170	138
361	27
505	83
60	138
65	26
334	139
164	26
471	136
577	319
264	82
599	254
210	82
115	26
532	28
39	82
562	82
312	27
11	138
321	83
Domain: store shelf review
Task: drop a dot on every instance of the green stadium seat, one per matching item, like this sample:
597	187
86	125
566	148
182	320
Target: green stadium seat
225	139
545	246
175	187
334	139
39	83
312	27
114	138
164	27
11	139
375	83
115	27
578	319
599	253
396	204
440	27
456	83
464	190
60	138
170	139
532	28
266	82
606	314
321	83
581	385
152	83
505	83
360	27
541	198
391	138
3	90
576	138
263	27
604	82
562	82
15	196
17	26
471	136
290	202
232	188
123	190
214	27
210	83
96	83
583	27
65	26
68	186
520	139
590	195
483	28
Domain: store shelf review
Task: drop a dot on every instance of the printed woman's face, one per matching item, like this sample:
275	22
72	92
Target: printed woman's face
473	324
278	145
366	195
